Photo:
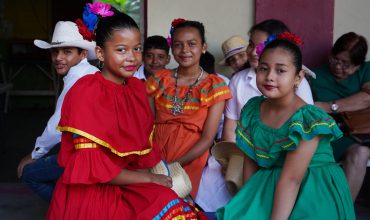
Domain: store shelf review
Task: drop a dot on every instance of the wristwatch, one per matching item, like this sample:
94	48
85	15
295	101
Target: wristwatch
334	107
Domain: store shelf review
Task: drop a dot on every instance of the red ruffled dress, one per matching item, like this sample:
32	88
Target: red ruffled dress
106	128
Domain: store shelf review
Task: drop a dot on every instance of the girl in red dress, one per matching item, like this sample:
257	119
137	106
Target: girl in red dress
106	146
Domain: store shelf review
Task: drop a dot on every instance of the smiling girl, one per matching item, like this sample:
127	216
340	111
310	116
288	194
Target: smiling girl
243	84
106	147
188	102
289	168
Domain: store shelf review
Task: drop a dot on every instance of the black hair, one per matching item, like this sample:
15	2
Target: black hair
270	26
191	24
207	62
107	25
356	46
289	46
156	42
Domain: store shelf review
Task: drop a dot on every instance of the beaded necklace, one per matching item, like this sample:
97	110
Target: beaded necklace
179	103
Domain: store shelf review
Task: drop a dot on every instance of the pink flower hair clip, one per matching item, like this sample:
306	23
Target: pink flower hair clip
91	15
100	8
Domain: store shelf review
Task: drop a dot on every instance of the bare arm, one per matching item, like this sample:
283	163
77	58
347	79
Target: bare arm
249	168
358	101
228	132
290	179
208	134
151	104
126	177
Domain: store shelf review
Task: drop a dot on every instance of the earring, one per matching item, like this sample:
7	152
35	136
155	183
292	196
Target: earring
100	64
295	87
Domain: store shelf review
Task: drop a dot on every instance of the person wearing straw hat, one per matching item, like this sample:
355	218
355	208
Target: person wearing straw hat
69	53
235	53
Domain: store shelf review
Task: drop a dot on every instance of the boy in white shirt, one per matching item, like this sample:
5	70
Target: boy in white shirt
69	54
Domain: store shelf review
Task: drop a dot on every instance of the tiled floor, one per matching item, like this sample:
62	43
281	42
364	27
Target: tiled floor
19	128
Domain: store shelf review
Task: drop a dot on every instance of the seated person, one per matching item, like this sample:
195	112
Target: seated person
243	84
70	61
155	56
235	53
340	86
212	193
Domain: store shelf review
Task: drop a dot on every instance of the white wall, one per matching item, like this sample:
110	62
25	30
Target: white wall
221	19
352	16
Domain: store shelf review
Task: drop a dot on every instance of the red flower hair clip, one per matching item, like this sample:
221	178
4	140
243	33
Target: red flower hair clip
84	31
291	37
177	21
174	23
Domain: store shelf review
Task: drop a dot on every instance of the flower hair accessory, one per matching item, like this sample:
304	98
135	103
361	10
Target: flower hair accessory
174	23
285	35
92	13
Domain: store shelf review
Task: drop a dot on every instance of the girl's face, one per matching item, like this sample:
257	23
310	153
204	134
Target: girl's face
187	46
256	37
121	55
276	74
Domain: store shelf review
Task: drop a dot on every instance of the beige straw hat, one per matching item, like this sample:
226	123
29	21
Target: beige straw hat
66	34
231	158
180	180
233	45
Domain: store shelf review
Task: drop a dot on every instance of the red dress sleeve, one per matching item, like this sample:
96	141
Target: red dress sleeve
87	164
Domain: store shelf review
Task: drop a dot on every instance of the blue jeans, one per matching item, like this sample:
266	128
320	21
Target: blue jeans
41	176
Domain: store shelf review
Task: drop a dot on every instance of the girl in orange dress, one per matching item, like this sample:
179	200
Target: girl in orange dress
188	102
106	146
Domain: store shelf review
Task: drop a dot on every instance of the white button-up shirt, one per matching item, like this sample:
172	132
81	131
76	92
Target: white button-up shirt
51	136
243	87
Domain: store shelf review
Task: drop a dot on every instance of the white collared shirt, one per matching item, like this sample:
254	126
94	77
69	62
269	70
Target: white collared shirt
51	136
243	87
140	73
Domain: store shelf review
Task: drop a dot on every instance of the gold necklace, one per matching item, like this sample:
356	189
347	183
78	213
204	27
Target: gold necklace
179	103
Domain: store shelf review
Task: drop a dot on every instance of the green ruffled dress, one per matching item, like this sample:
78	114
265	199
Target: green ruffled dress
324	191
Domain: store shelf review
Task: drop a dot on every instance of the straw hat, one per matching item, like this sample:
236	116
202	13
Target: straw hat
231	158
180	180
66	34
233	45
308	72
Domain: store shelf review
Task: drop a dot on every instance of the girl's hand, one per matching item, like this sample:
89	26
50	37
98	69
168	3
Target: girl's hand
161	179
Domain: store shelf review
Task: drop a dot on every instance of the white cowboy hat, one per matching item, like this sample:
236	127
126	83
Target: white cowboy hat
231	158
66	34
180	180
233	45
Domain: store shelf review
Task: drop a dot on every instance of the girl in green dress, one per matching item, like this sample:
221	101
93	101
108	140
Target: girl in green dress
289	170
